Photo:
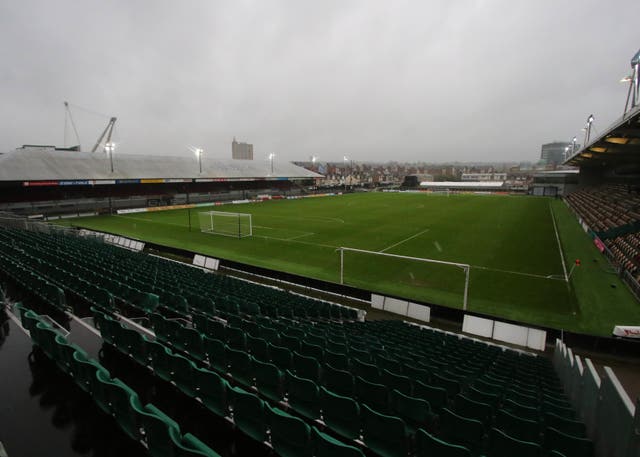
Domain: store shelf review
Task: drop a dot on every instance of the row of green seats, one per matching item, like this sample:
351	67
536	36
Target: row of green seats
215	392
143	423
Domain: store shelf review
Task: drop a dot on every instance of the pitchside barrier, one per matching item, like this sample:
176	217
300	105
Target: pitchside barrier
508	333
611	418
206	262
401	307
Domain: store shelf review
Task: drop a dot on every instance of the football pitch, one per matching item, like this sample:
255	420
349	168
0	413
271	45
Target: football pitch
520	251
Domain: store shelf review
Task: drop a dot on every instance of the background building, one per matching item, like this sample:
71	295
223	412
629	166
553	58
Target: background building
484	177
553	154
241	151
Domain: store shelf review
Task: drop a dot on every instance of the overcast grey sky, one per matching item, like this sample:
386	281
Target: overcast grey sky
397	80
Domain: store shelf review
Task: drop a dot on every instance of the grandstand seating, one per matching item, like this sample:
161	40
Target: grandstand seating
613	212
277	364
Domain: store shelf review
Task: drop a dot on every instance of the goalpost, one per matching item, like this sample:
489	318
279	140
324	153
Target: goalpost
237	225
391	269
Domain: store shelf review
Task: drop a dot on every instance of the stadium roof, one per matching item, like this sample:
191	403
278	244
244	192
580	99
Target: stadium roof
50	164
618	145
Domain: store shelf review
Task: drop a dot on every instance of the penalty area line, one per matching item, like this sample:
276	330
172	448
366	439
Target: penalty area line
404	241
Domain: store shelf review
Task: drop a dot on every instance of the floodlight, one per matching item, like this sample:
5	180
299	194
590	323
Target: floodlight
626	79
590	119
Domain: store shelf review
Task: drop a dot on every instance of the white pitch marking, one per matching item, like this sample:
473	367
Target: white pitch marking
404	241
149	220
301	236
437	245
289	240
555	228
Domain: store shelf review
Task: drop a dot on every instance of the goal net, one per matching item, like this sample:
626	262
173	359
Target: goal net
236	225
429	280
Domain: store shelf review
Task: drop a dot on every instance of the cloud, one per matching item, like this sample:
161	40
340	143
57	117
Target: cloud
434	81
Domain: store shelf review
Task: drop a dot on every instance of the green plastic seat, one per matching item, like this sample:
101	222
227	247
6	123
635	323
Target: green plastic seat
568	426
133	343
240	366
159	432
29	319
162	327
452	386
236	338
392	365
121	397
428	445
216	329
212	390
482	397
182	374
523	411
290	435
84	370
517	427
397	382
281	357
502	445
414	411
436	396
216	353
341	414
258	347
290	341
519	396
269	380
339	381
101	391
365	370
249	414
326	446
190	446
472	409
271	335
334	345
359	351
190	341
64	354
312	350
416	374
306	367
461	430
385	435
372	394
337	360
489	387
558	409
160	357
44	336
569	446
303	396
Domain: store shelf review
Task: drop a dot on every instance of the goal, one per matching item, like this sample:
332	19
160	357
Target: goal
237	225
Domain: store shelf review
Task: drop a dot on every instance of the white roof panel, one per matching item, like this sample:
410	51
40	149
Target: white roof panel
42	164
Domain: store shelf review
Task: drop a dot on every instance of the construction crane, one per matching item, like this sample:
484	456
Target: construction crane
108	131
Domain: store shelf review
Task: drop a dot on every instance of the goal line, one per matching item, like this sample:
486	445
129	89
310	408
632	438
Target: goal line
464	266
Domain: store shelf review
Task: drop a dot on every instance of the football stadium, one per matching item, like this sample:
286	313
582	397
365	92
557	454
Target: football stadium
154	305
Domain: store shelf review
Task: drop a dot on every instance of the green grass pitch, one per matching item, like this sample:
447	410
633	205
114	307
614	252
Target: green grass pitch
509	241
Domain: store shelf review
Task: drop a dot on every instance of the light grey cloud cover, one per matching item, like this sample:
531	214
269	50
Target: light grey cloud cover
421	80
